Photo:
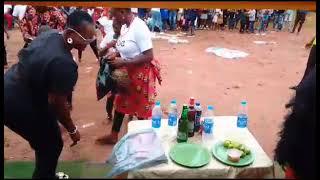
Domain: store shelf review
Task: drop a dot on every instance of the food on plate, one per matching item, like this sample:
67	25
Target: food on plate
247	151
226	143
231	145
234	155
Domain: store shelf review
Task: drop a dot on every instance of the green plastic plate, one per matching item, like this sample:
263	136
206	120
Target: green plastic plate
190	155
220	153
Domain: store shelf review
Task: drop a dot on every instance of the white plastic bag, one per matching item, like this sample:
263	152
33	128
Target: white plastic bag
136	150
227	53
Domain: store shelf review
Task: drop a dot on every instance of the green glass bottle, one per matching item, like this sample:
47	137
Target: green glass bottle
182	135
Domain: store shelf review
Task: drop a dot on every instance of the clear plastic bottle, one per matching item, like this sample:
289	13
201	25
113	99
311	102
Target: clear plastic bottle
207	126
173	114
242	120
156	116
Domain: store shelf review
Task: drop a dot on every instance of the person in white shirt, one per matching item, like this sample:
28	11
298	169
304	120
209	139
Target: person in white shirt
106	22
217	15
19	11
136	58
90	11
288	19
252	19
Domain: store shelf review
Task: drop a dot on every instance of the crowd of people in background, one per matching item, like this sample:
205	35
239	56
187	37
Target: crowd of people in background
188	20
245	20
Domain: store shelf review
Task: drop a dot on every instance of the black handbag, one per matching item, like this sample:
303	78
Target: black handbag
104	82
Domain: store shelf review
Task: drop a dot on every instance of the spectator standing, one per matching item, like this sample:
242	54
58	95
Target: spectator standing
203	19
210	18
238	12
300	19
156	19
288	19
225	13
165	18
252	19
173	19
243	21
232	19
8	16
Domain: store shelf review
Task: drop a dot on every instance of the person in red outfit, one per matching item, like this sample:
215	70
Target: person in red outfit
29	25
135	49
9	18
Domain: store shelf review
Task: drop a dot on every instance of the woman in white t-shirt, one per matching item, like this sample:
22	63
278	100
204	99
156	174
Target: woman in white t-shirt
136	57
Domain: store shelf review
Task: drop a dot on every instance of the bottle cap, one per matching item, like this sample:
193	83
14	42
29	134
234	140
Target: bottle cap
174	102
197	104
191	102
158	103
210	107
243	102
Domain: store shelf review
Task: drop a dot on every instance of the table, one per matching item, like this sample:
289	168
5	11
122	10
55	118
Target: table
224	128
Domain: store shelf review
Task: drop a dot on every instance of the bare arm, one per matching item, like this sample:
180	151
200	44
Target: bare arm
94	48
60	105
5	31
146	56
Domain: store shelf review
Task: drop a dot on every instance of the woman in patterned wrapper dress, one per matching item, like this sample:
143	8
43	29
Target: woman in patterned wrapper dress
29	25
136	57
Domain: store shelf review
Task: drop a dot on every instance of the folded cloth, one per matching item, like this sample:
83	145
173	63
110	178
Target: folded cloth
136	150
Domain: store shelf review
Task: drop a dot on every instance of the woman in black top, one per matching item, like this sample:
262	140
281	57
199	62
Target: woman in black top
36	90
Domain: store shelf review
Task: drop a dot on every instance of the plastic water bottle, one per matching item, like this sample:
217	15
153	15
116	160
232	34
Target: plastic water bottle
156	115
173	114
242	120
207	126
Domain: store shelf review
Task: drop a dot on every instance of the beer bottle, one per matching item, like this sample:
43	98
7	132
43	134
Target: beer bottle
182	135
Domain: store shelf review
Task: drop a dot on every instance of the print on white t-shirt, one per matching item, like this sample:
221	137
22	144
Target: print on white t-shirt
134	39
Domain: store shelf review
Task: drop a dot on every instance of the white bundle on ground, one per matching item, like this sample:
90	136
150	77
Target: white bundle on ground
227	53
172	38
264	42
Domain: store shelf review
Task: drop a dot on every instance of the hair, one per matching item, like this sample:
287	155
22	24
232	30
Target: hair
113	10
77	18
296	147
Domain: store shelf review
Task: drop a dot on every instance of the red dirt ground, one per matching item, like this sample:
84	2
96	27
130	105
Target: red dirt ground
262	79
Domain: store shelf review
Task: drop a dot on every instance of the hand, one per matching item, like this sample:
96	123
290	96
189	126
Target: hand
75	138
111	55
118	62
